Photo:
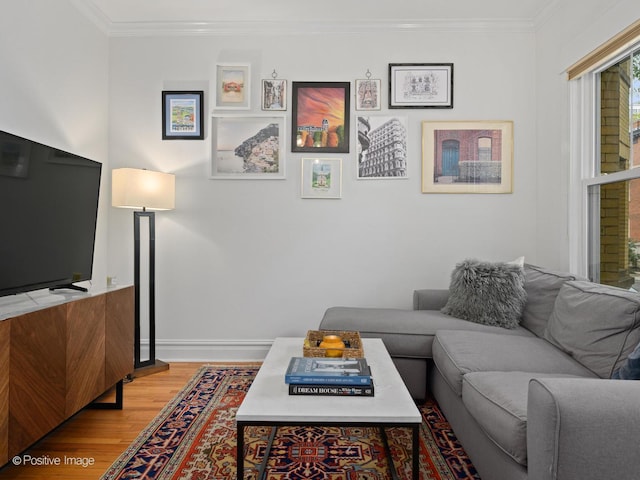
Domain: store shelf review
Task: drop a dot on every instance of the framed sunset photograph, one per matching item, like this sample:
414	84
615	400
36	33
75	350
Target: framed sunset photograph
320	117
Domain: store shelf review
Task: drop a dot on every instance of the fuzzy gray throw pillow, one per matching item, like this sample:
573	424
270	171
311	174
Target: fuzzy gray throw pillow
491	293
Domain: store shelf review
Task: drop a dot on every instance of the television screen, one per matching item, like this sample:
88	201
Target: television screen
48	214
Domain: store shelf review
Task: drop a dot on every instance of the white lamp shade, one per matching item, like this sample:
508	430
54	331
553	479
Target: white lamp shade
137	188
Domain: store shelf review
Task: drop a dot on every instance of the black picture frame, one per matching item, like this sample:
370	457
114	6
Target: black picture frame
320	117
421	85
182	115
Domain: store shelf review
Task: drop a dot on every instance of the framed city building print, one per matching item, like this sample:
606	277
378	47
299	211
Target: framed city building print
274	94
382	146
467	157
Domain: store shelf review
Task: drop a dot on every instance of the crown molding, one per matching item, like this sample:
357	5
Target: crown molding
243	28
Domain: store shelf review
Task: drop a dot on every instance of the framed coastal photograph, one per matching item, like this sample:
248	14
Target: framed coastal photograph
233	86
467	157
274	94
421	85
248	147
382	146
321	178
320	117
182	114
368	94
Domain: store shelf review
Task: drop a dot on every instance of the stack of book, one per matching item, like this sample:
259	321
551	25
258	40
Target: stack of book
329	376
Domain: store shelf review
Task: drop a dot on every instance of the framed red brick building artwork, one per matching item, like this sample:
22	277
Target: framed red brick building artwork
467	157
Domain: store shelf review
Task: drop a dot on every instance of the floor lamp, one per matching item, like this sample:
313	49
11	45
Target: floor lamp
144	190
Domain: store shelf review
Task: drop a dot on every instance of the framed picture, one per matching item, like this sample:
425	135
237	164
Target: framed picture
368	94
182	115
320	117
467	157
233	86
247	147
274	94
421	85
382	146
321	178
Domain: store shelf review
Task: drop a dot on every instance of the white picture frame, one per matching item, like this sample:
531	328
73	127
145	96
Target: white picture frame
321	178
248	147
233	86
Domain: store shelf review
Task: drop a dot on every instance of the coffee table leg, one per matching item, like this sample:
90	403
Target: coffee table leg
240	452
416	453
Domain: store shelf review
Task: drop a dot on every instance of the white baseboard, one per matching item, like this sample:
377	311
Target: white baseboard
208	350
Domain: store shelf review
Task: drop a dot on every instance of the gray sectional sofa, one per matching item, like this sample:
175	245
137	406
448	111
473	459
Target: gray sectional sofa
531	402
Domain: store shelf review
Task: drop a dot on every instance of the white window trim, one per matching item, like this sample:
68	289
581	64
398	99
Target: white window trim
584	133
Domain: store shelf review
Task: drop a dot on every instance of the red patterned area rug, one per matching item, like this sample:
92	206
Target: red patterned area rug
194	438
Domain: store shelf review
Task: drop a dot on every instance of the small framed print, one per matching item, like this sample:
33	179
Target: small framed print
368	94
321	178
274	94
182	115
421	85
233	86
250	147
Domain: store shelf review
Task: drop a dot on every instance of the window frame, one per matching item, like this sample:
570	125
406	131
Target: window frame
584	130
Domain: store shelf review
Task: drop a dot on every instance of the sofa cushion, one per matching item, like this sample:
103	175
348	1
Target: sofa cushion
490	293
542	286
405	333
498	402
630	369
595	324
456	353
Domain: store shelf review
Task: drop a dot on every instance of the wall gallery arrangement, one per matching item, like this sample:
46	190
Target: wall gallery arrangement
457	156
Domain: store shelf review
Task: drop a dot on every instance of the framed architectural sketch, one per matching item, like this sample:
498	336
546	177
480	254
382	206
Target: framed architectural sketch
247	147
467	157
274	94
320	117
233	86
421	85
321	178
382	146
368	94
182	115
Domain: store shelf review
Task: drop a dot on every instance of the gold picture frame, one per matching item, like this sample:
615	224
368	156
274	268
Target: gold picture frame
467	157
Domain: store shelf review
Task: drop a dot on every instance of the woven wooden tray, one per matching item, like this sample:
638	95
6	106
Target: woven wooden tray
351	339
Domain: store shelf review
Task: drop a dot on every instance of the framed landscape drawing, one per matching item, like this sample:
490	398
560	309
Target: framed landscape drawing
182	115
321	178
233	86
320	117
467	157
421	85
247	147
382	146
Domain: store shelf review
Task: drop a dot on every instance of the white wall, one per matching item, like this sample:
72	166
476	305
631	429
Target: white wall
574	29
245	261
54	87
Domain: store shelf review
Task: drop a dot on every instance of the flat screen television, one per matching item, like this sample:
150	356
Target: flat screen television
48	215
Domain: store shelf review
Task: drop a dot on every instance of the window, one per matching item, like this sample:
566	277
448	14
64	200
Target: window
484	149
612	181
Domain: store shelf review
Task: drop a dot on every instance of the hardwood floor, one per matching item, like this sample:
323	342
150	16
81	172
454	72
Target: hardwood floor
100	436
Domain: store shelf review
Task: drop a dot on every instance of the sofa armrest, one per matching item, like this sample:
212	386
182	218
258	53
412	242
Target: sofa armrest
580	428
430	298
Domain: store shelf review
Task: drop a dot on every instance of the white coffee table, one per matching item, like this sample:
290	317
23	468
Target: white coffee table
268	401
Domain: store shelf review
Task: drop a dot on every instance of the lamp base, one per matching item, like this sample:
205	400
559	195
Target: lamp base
156	367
